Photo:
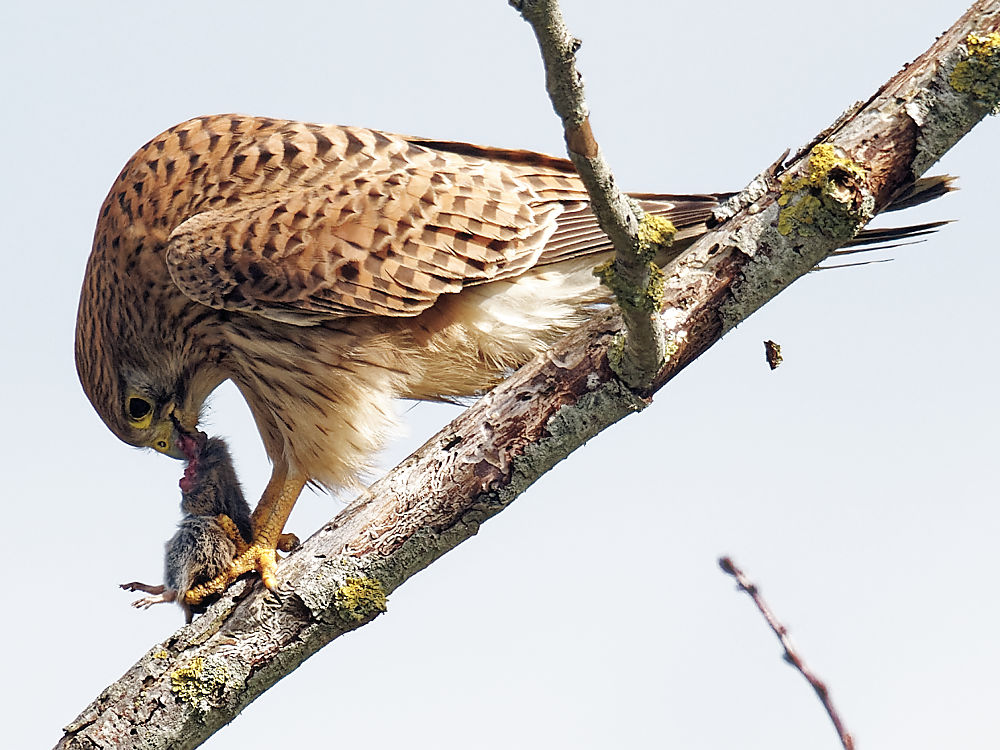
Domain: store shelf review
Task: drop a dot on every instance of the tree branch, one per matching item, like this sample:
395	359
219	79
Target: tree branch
198	679
791	654
636	281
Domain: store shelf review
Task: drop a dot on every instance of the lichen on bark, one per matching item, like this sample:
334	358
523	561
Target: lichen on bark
826	197
979	73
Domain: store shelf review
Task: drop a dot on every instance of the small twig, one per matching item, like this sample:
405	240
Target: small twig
635	280
853	265
791	655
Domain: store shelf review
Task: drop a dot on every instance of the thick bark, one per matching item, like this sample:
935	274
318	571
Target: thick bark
185	688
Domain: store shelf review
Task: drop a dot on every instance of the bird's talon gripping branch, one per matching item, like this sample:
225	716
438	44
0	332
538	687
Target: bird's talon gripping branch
255	559
267	567
260	556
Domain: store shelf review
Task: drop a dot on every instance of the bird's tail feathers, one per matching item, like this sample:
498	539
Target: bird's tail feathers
923	190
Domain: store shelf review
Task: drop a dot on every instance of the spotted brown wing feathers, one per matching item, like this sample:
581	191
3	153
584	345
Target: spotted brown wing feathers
324	252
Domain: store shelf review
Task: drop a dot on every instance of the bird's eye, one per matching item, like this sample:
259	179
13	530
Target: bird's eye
138	408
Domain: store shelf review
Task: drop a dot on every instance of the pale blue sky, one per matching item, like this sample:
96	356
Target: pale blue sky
856	483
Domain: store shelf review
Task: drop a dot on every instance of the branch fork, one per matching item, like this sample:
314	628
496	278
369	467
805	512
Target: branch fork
636	281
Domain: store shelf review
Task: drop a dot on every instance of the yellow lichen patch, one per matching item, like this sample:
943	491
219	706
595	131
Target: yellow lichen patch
359	599
654	232
197	682
984	46
674	339
823	196
655	289
979	73
161	654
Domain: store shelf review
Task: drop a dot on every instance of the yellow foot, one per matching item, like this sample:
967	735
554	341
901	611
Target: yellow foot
256	558
260	556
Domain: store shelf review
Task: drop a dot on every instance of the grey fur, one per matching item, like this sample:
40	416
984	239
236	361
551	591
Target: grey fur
216	489
201	549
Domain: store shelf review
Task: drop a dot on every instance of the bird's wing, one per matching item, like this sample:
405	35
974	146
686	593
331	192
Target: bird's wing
392	234
386	239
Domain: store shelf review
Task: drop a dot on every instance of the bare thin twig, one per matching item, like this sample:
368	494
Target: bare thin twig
634	278
791	655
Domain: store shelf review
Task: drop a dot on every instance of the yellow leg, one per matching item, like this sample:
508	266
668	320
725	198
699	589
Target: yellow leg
271	514
267	520
286	542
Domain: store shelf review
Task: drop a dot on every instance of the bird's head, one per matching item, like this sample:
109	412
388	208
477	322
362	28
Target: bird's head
156	414
141	378
146	408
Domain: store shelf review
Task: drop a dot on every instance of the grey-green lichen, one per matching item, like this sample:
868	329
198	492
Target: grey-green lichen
616	349
359	599
824	197
654	233
616	352
979	73
199	681
648	299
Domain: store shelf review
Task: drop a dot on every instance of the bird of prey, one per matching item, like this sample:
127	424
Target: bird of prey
327	270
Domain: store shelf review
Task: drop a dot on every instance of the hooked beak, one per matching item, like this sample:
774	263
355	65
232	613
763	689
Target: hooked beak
172	438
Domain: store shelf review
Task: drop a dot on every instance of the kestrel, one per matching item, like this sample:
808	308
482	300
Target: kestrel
327	270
